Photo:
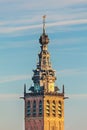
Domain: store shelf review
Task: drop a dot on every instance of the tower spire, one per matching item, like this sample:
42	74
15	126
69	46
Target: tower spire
44	76
44	17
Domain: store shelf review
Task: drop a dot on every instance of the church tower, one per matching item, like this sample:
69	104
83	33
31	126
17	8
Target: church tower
44	104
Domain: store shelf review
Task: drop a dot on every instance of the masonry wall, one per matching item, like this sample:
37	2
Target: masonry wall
55	119
49	115
33	122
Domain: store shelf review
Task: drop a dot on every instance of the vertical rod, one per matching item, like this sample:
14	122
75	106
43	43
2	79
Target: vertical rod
44	24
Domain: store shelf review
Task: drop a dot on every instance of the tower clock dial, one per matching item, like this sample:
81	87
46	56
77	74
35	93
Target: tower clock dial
51	87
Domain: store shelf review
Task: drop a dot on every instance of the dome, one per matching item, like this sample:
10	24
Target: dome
44	39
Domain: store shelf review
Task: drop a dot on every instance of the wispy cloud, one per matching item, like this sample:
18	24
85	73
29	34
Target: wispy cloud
62	23
69	41
53	4
15	29
14	78
77	96
2	1
15	44
70	72
71	22
20	21
9	97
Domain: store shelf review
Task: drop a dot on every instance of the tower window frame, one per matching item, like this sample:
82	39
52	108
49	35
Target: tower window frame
59	109
40	108
28	108
54	108
34	108
48	108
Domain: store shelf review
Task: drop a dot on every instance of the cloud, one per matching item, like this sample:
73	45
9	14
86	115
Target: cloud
21	21
15	29
62	23
53	4
2	23
70	72
74	14
16	44
77	96
66	41
13	78
71	22
2	1
10	96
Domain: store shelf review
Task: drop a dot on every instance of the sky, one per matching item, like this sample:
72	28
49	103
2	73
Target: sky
20	29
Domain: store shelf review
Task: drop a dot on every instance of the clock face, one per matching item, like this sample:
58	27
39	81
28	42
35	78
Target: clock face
51	87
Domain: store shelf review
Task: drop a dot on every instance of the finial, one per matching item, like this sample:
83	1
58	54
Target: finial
44	24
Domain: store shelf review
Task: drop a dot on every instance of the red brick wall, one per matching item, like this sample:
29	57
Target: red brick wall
33	123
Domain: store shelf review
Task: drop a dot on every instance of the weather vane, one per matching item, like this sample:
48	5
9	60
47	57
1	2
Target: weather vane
44	17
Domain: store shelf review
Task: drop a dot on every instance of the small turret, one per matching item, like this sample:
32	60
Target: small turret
63	90
24	89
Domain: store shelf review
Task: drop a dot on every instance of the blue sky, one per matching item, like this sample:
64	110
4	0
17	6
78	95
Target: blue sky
20	29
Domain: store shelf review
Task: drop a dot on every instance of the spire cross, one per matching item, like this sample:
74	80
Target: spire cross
44	24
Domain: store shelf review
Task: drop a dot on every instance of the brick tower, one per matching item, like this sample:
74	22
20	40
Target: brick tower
44	104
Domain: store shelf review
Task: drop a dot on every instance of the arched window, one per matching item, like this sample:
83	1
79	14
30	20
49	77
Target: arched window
28	108
53	108
40	108
47	108
34	108
59	109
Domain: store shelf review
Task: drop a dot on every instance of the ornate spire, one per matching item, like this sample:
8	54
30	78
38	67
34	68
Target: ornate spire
44	75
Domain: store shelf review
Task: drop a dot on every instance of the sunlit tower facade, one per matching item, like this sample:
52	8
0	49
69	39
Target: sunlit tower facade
44	103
